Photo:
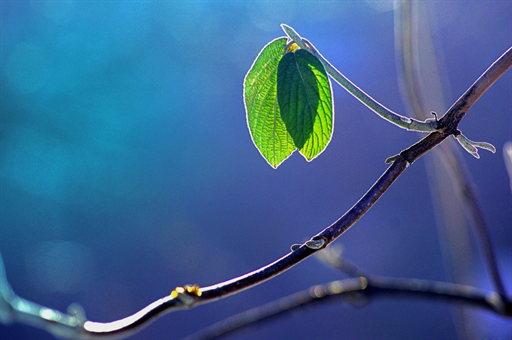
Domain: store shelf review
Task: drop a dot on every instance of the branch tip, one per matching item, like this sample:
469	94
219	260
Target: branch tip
77	311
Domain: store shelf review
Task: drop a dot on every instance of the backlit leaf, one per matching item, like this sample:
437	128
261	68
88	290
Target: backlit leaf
305	101
267	129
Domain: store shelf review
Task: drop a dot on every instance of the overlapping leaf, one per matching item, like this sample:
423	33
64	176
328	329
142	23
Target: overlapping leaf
288	101
267	129
305	100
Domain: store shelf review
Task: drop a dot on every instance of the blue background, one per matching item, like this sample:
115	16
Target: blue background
127	168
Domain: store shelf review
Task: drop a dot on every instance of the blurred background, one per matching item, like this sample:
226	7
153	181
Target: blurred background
127	169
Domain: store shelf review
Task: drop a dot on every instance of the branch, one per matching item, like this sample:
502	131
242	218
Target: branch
356	291
411	124
187	297
407	51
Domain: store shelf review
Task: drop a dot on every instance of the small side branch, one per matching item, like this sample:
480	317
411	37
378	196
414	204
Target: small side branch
357	292
407	42
407	123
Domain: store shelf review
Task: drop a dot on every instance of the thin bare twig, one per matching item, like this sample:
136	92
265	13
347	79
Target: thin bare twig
332	256
421	95
385	113
356	291
407	49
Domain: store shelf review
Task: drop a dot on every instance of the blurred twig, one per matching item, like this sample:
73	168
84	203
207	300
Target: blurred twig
406	37
507	156
419	97
385	113
356	291
16	309
332	256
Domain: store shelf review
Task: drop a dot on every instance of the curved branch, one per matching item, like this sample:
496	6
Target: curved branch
410	75
182	298
355	291
411	124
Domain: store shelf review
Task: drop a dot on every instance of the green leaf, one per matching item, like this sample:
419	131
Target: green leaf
268	131
305	101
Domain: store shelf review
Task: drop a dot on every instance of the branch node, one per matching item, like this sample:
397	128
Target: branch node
295	246
471	146
187	294
433	122
291	46
406	120
317	242
391	159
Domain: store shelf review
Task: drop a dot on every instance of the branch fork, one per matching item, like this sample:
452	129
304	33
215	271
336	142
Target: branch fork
316	243
187	294
411	124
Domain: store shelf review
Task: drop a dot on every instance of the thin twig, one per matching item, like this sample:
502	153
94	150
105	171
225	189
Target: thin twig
357	292
332	256
181	298
391	116
507	157
421	95
456	166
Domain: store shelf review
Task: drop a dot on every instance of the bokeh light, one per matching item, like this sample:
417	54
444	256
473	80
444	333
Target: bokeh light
60	267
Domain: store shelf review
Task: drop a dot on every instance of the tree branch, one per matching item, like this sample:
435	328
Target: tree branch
404	122
356	291
408	61
182	297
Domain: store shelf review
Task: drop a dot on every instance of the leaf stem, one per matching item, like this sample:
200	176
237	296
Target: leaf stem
357	291
407	123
